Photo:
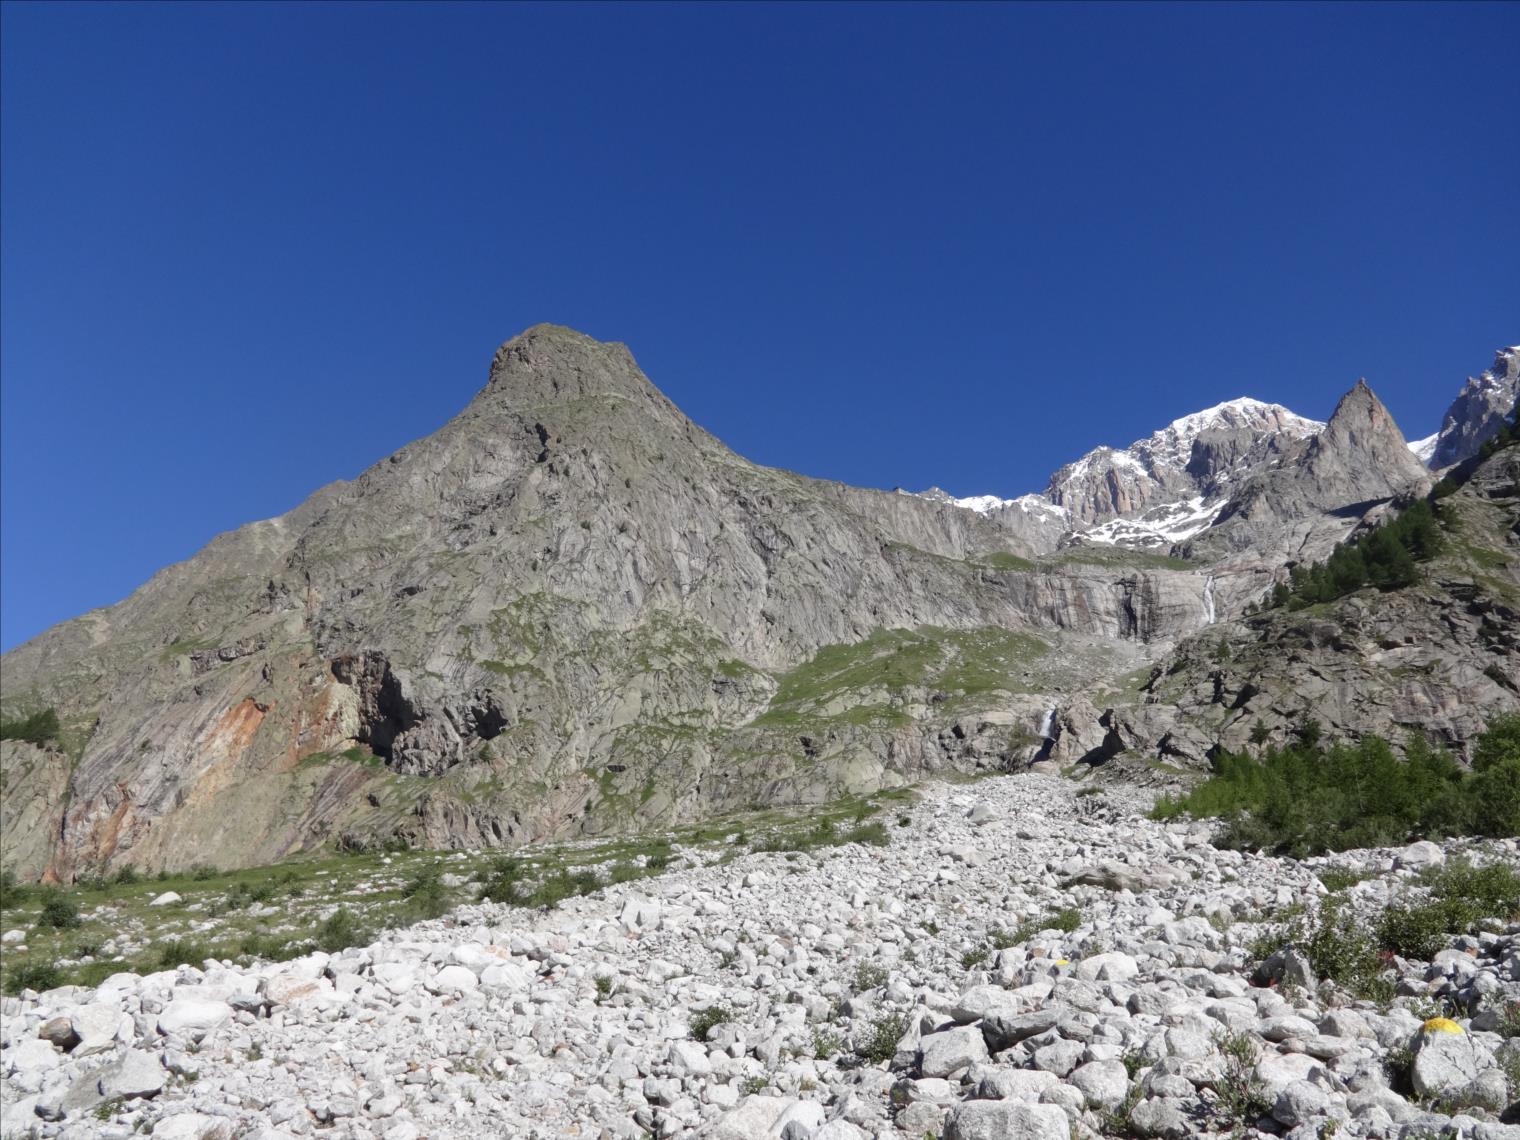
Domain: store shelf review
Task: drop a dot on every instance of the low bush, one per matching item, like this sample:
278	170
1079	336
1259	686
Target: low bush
426	896
563	884
59	911
340	930
1308	798
504	882
1459	898
13	892
881	1043
38	728
177	952
703	1020
867	834
37	976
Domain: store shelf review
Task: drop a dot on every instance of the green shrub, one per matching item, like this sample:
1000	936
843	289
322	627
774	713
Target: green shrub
13	892
1000	939
974	957
1339	878
1239	1097
177	952
1461	897
1385	558
1308	797
826	1044
1339	944
563	884
867	834
881	1043
504	883
37	976
38	728
1509	1024
425	895
340	930
869	975
59	911
703	1020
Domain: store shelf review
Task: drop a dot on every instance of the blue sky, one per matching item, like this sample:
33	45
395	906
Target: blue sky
251	249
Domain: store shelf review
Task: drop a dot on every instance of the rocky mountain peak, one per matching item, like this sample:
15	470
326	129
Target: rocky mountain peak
1192	456
1478	410
1362	436
568	364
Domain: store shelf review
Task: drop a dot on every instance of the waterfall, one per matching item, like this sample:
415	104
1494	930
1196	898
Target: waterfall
1208	600
1047	722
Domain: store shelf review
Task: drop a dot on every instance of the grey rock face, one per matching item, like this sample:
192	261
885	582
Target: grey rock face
1441	657
1478	411
568	610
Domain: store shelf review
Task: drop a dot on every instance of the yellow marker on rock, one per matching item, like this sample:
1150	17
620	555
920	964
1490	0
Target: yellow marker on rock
1440	1025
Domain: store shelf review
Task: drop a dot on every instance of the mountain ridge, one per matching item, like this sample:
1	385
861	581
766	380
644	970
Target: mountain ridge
572	610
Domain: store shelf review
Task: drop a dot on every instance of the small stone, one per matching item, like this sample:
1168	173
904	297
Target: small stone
1421	854
193	1126
689	1059
1160	1119
454	978
800	1121
168	898
1110	967
940	1054
1103	1084
32	1057
193	1017
1300	1102
138	1074
96	1025
1006	1120
752	1118
1276	1071
1444	1060
59	1031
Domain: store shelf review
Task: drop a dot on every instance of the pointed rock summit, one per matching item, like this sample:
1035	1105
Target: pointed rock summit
1359	460
1475	415
1360	456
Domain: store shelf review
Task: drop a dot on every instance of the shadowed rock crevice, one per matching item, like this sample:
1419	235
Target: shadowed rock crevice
384	711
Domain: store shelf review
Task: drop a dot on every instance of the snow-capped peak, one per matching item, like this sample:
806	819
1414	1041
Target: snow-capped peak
1174	443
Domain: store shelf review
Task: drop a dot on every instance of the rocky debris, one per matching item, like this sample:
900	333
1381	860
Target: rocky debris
971	1015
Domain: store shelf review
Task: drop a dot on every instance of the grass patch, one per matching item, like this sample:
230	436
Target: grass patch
867	680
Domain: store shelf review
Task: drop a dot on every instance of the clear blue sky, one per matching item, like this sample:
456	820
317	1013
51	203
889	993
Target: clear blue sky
251	249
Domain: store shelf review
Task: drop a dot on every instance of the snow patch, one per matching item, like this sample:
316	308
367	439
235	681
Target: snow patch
1162	526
